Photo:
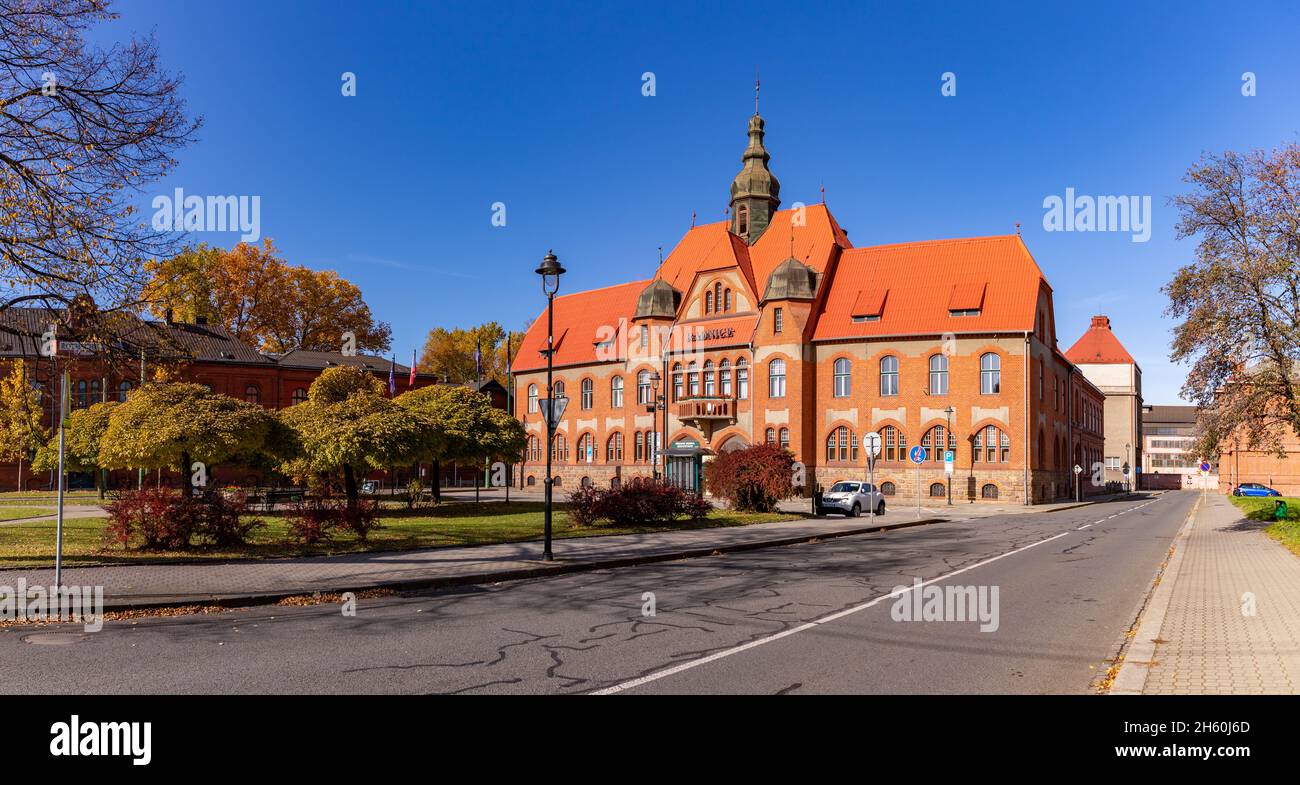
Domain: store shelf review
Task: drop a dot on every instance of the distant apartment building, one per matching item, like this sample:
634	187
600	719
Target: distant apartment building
1104	361
1171	461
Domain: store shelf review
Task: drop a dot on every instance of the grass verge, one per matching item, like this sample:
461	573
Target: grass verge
1287	531
32	544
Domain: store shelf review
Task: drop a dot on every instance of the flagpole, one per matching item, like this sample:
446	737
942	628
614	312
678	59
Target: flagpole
58	527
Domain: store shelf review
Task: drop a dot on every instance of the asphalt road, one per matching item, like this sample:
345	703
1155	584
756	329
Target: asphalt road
813	618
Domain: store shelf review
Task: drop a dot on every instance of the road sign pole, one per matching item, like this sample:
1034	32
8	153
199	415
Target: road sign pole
58	526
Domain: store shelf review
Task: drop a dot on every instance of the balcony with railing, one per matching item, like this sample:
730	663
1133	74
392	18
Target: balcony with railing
707	408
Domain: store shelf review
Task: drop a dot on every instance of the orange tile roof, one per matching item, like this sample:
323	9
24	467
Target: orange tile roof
869	302
580	320
1099	345
925	278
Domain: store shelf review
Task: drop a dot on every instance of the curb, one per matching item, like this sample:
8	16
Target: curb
1140	653
498	576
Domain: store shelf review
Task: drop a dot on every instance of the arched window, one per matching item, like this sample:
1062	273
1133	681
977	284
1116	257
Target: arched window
770	436
677	382
938	490
533	448
614	448
708	301
81	394
710	381
842	445
742	379
532	397
586	448
889	375
693	379
742	219
585	482
252	394
990	374
717	296
123	390
726	300
558	389
300	396
724	378
559	449
96	391
531	480
991	445
588	397
888	489
643	392
989	491
933	442
776	378
843	380
938	374
785	438
1040	453
895	443
616	392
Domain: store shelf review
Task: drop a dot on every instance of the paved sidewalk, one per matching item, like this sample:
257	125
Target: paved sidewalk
1209	643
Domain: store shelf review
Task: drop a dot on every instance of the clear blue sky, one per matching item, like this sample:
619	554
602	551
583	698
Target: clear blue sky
541	108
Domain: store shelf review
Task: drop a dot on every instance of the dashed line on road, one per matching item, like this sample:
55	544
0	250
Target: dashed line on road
815	623
1086	525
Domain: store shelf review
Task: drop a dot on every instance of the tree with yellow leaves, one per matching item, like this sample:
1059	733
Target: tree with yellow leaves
21	431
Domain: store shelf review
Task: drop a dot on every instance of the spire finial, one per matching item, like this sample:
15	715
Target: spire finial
823	193
1017	228
661	256
756	86
692	219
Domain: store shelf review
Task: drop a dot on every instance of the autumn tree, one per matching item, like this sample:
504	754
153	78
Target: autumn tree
1239	302
262	300
21	431
172	425
82	131
83	433
463	426
348	427
450	353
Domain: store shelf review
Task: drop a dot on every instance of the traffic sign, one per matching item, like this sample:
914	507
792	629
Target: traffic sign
916	454
1077	468
871	443
1205	466
947	461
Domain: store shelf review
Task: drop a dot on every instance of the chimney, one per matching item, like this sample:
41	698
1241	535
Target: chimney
200	320
169	315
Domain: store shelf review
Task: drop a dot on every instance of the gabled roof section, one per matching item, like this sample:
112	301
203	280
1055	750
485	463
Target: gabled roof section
814	242
319	361
708	247
1099	346
916	274
581	319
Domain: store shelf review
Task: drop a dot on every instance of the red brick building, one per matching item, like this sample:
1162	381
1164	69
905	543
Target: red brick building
203	353
773	327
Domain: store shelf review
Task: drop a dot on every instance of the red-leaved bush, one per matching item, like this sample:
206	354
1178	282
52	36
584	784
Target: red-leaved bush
635	504
163	519
316	518
754	478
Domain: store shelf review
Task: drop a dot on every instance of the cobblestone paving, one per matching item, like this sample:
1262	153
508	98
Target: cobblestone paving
1212	640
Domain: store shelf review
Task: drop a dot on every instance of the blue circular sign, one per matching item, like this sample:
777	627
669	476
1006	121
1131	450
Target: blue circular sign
1205	466
917	454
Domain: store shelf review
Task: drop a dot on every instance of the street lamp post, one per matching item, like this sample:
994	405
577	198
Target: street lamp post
657	403
951	443
1128	449
550	271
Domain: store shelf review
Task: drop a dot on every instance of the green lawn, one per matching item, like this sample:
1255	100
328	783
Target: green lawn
9	513
452	524
1286	532
23	497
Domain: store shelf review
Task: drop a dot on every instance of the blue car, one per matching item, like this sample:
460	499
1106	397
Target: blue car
1254	489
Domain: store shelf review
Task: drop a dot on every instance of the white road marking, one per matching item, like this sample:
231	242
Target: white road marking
1081	528
627	685
685	666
